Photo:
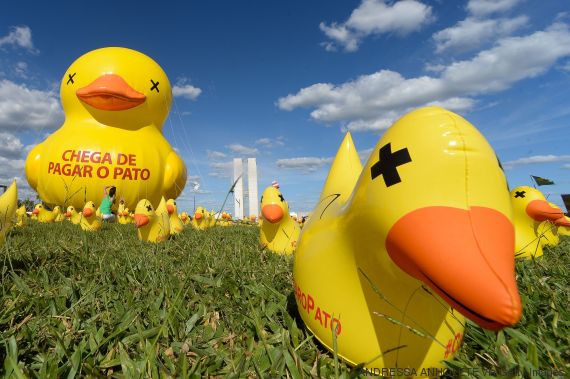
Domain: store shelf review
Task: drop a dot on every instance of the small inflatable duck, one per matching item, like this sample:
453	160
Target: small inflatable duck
123	213
278	232
8	206
530	209
72	215
90	221
176	225
21	217
115	102
185	218
201	219
394	254
152	225
59	215
43	214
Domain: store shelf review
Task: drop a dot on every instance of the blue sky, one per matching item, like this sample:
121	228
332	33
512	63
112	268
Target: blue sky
282	81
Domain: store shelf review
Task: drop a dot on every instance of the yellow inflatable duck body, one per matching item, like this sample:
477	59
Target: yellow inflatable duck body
43	214
201	219
21	217
115	102
176	225
72	215
185	218
394	254
8	206
530	210
152	225
90	221
563	226
123	213
278	232
59	215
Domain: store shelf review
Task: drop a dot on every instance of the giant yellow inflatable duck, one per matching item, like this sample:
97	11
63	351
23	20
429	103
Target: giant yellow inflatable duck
72	215
90	221
278	232
392	256
8	206
176	225
152	225
21	216
530	209
43	214
115	102
201	219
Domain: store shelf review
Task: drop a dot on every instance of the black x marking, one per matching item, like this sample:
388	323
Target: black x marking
388	163
149	207
520	194
154	86
281	197
71	78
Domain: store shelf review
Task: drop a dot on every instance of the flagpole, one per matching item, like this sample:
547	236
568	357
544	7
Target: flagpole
533	182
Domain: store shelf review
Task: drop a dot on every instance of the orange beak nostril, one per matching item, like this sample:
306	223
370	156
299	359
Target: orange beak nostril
272	213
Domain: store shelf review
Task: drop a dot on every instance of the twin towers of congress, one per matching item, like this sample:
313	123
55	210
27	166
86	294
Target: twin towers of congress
251	188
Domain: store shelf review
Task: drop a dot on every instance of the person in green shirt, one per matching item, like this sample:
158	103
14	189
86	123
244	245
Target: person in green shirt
107	203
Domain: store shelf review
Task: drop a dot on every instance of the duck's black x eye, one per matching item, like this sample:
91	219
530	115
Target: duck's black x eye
149	208
70	76
281	197
154	86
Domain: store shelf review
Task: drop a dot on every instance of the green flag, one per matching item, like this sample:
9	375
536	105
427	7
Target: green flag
542	181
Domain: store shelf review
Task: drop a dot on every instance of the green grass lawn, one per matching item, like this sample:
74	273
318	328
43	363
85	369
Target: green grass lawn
212	304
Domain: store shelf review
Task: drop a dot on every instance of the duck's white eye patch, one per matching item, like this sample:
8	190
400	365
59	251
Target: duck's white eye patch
388	162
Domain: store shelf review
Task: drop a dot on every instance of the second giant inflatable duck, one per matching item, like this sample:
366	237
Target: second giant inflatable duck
530	210
115	102
278	232
395	255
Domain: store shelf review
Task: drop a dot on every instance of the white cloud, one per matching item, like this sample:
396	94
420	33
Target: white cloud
221	169
242	150
377	17
19	36
303	164
186	91
10	146
471	33
24	108
567	166
536	159
372	101
269	143
487	7
215	155
21	70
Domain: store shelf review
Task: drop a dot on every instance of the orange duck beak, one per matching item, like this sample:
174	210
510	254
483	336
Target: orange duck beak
465	256
141	220
110	92
88	212
272	213
540	210
170	209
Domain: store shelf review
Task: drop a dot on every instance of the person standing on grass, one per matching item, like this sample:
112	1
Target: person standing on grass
107	203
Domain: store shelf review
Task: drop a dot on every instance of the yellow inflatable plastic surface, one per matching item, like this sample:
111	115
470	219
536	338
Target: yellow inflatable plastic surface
394	255
278	232
201	219
115	102
21	217
8	206
530	209
176	225
90	221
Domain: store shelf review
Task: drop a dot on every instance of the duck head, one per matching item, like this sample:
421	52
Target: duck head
433	192
89	210
530	202
200	214
144	212
70	211
171	207
37	209
117	87
273	205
